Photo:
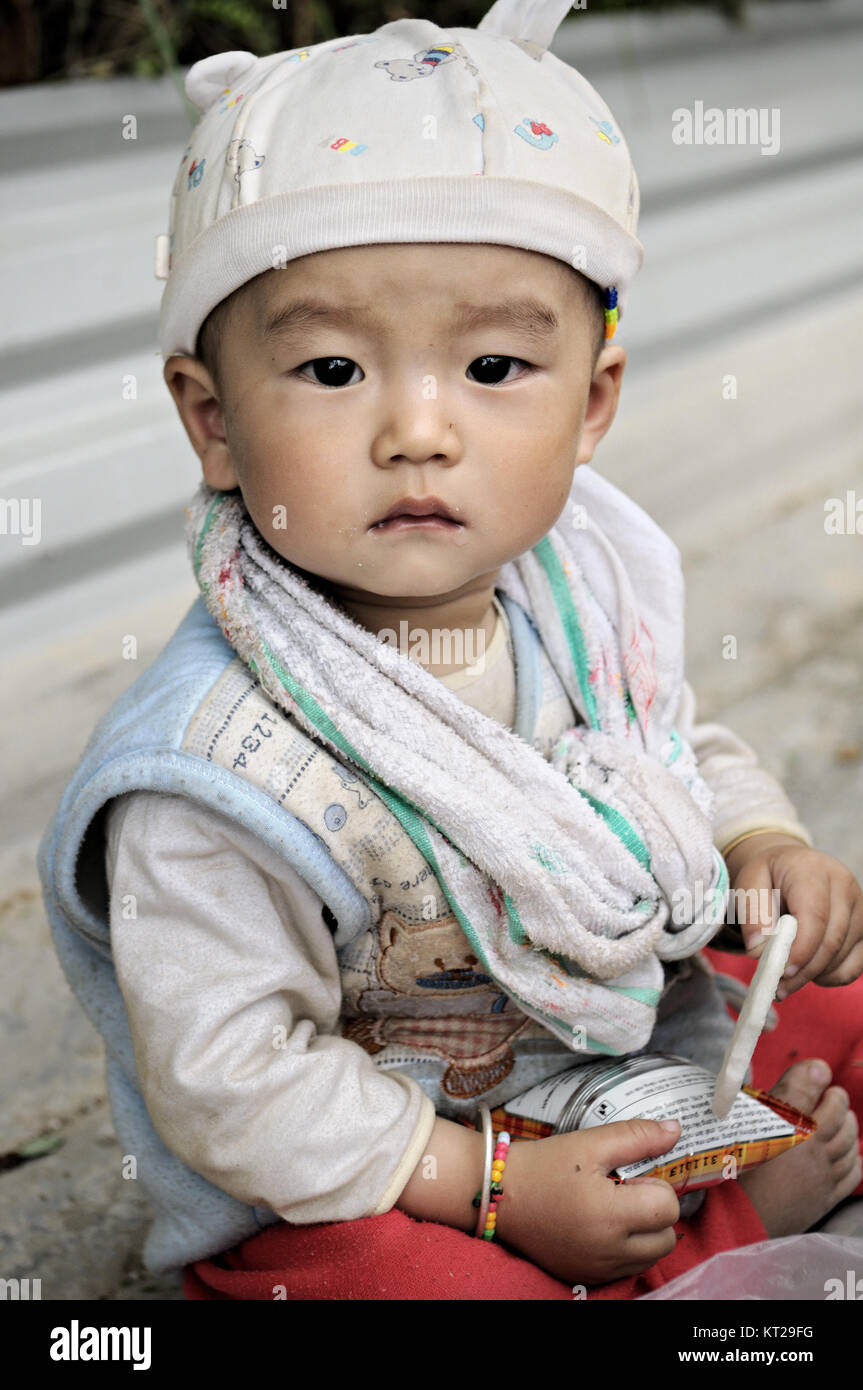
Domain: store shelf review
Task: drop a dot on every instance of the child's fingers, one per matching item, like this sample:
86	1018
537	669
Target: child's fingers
848	962
754	906
812	910
826	917
646	1206
644	1250
628	1141
846	969
640	1253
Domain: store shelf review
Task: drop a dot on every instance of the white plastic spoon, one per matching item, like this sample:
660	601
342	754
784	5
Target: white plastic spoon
753	1014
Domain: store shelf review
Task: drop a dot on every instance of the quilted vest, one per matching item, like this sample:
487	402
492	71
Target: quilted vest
197	724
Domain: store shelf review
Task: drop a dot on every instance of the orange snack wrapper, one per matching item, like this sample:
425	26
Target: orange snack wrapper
659	1086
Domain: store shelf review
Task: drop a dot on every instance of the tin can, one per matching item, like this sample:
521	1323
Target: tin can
597	1079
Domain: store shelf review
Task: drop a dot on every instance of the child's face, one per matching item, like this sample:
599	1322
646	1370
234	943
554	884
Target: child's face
325	427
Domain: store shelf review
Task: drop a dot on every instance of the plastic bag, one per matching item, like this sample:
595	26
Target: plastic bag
815	1266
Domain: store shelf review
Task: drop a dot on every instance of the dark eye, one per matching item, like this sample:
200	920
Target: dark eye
493	369
330	371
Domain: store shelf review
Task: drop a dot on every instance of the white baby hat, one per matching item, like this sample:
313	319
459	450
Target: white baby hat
413	133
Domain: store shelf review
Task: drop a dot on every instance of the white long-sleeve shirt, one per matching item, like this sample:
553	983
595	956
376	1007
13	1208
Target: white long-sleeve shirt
232	989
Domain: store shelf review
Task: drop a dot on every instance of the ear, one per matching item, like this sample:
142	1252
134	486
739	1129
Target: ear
198	406
602	399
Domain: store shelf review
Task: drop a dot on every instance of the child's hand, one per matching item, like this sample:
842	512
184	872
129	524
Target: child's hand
818	890
562	1210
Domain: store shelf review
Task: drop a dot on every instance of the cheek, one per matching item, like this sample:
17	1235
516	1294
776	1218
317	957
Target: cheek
292	437
536	475
289	500
295	491
528	490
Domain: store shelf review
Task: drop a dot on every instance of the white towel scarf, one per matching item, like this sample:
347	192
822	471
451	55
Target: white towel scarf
562	872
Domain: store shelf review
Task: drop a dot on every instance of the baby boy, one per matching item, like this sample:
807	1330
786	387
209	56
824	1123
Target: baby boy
391	386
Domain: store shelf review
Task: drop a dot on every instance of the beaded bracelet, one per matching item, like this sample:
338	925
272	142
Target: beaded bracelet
491	1193
609	299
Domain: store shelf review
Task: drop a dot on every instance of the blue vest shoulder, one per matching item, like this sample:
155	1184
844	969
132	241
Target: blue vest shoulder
137	744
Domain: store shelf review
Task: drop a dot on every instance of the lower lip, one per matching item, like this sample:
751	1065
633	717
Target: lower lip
421	523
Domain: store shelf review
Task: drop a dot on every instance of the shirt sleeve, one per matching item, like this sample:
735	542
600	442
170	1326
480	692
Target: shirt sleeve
747	797
231	984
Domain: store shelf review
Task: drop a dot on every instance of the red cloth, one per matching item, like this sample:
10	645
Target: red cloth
394	1257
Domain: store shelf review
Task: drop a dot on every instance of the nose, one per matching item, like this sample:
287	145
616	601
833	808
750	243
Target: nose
418	426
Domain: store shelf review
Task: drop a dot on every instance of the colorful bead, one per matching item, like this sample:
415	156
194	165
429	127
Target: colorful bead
496	1192
609	298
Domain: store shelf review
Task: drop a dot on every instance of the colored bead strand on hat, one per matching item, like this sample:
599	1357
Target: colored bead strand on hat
496	1190
609	298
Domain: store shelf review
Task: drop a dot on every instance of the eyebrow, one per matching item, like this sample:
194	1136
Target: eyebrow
526	314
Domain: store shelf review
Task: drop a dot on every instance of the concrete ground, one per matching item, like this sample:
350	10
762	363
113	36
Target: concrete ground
740	484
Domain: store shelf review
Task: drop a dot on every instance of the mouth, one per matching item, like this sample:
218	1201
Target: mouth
417	523
424	513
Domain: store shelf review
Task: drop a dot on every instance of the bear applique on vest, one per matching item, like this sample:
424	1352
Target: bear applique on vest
410	982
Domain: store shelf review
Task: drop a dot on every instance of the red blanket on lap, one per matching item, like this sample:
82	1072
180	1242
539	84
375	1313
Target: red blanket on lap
393	1257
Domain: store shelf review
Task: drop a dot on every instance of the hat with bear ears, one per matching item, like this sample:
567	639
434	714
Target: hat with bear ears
413	133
